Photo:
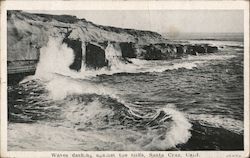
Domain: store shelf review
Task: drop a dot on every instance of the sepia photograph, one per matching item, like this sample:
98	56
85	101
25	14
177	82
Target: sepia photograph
125	80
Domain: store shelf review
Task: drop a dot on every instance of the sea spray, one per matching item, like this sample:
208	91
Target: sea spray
102	120
161	126
55	57
113	55
96	110
62	86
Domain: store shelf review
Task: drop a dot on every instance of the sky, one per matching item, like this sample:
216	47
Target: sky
164	21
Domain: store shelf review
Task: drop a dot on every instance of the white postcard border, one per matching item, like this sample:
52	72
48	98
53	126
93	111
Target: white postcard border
122	5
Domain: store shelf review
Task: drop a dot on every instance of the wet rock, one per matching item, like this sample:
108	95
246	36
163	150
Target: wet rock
199	49
76	45
151	52
180	50
212	49
191	50
195	49
95	56
128	50
165	51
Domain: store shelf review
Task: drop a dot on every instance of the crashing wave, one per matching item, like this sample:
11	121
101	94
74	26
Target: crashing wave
56	58
101	118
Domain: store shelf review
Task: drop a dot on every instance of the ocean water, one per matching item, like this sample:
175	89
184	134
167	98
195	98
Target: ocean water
193	103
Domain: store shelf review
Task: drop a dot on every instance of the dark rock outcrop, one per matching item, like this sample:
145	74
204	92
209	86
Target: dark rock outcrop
180	50
128	50
191	50
200	49
151	52
212	49
76	45
164	51
95	56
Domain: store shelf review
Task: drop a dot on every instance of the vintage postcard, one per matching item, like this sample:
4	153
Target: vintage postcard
125	79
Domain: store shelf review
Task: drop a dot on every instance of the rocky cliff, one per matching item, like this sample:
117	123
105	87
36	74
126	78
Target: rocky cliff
27	33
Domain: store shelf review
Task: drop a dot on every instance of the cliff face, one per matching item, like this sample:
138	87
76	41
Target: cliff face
27	33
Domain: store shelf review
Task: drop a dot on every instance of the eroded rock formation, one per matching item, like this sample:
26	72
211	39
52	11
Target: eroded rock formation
128	49
27	33
95	56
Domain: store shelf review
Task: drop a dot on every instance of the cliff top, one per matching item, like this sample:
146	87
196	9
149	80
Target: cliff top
73	20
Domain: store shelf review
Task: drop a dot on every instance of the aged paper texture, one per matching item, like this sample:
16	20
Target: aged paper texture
121	79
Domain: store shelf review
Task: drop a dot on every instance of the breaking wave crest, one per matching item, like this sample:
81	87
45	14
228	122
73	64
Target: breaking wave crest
102	120
115	123
96	129
164	128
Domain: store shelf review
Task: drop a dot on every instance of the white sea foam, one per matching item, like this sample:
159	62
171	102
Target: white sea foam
60	87
179	132
60	84
143	66
60	81
219	121
73	134
54	58
210	57
139	66
113	56
218	43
